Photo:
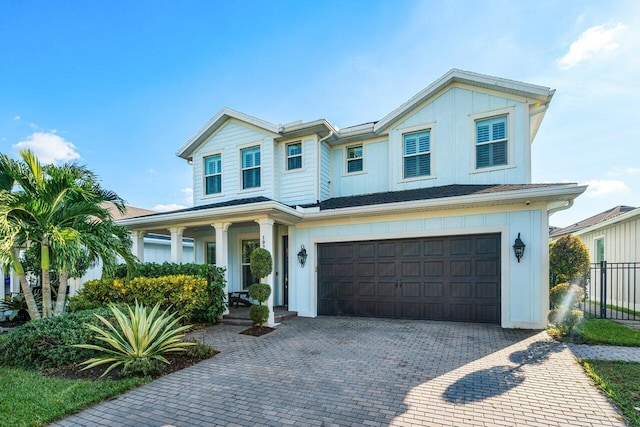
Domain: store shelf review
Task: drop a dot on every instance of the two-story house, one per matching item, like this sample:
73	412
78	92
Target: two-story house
413	216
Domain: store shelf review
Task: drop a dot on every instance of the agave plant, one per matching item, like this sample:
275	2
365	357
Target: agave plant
138	341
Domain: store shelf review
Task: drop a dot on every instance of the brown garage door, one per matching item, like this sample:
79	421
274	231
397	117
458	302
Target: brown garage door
441	278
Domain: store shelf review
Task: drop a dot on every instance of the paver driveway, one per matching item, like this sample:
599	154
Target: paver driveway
350	371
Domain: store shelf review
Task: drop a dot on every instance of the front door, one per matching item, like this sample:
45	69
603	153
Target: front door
285	270
247	247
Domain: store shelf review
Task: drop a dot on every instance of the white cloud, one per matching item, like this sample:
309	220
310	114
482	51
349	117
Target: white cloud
595	39
33	126
188	191
16	118
605	187
617	171
49	147
167	208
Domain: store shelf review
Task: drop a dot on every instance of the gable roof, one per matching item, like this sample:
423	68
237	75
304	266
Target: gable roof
540	93
332	135
131	211
592	221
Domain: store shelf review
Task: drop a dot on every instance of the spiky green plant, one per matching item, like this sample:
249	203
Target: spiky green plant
139	340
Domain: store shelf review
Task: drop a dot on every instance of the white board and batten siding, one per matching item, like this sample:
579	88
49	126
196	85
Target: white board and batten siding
297	186
228	141
621	241
374	177
326	183
451	118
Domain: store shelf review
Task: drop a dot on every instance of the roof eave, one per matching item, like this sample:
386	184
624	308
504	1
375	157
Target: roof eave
557	193
608	222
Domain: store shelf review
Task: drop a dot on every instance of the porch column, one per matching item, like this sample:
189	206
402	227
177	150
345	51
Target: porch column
176	243
138	244
222	256
266	241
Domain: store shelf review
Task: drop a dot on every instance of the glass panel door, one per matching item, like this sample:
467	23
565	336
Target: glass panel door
247	247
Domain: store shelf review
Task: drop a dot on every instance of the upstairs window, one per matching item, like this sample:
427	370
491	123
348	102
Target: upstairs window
294	156
491	142
213	174
417	154
354	159
250	167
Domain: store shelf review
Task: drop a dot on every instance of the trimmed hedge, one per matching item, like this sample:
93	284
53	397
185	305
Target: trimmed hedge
185	294
47	343
189	300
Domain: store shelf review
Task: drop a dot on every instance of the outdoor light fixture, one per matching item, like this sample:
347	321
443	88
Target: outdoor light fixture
302	256
518	247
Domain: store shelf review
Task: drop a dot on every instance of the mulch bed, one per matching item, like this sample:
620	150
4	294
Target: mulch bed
257	331
178	361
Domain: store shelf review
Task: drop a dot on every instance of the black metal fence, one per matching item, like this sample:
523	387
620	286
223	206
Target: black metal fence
612	291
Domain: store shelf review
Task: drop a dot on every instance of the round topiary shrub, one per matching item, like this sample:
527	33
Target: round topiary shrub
259	314
259	292
261	263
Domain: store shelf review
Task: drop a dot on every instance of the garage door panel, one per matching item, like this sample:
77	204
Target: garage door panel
387	269
487	290
434	248
439	278
411	289
387	289
460	290
410	269
411	249
434	290
487	267
434	268
460	268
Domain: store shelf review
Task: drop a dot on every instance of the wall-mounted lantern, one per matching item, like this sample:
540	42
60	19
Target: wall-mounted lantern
518	247
302	256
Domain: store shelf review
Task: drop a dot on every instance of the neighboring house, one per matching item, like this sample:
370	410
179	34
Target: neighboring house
612	235
157	248
413	216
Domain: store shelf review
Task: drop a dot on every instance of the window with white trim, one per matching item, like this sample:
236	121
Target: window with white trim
354	159
600	249
417	154
250	167
211	253
294	156
213	174
492	142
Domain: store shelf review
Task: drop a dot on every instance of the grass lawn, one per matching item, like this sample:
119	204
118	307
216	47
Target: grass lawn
619	380
30	399
607	332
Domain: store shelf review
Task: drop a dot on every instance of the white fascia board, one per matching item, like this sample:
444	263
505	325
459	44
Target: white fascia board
211	126
256	209
527	90
565	192
629	215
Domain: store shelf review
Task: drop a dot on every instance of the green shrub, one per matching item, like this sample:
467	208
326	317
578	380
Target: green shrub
190	296
200	350
18	306
259	292
261	263
79	303
48	343
138	341
568	259
565	299
564	320
259	314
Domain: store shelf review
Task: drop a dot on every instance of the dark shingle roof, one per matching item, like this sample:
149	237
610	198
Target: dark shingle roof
593	220
421	194
226	204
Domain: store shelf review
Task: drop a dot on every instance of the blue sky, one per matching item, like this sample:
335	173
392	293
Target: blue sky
120	86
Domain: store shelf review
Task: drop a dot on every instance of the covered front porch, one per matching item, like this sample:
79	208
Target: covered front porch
225	236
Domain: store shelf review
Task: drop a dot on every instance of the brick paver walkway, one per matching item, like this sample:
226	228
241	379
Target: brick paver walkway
368	372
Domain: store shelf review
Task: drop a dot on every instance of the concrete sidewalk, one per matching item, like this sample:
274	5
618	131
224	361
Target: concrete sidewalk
605	352
333	371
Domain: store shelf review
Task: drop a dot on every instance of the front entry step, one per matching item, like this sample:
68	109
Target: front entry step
240	316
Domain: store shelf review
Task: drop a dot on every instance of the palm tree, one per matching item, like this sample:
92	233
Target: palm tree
60	209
